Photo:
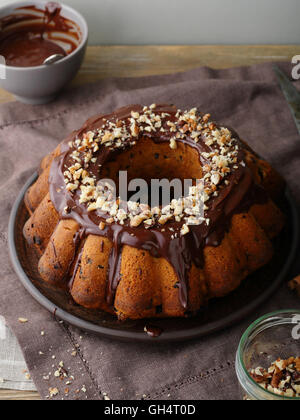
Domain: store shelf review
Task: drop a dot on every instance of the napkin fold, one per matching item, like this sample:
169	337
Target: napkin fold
247	99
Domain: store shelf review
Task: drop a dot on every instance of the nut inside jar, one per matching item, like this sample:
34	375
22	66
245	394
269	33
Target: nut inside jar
281	378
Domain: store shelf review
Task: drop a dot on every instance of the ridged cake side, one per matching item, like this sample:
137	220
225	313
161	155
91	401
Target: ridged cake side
148	286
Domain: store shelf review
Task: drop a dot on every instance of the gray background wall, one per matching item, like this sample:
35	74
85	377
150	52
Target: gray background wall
191	21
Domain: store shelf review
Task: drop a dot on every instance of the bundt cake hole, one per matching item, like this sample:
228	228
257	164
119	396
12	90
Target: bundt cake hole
156	161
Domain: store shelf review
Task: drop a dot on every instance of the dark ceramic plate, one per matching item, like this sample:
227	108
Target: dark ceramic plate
217	315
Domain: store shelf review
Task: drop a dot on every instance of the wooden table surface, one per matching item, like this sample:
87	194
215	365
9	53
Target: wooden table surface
132	61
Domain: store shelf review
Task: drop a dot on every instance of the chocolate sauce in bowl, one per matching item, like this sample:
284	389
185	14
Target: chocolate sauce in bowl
30	35
238	195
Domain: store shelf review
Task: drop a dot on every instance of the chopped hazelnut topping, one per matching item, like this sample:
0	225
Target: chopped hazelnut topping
219	161
164	218
137	220
102	225
184	230
173	144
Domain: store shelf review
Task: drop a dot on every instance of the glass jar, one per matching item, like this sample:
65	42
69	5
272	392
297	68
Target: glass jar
275	335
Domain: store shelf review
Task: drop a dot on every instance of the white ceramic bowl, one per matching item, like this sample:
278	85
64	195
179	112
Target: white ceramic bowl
41	84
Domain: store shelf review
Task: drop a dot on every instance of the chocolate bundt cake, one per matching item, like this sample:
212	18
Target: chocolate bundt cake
139	261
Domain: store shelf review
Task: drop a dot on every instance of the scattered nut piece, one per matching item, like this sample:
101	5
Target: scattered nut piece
23	320
294	285
53	392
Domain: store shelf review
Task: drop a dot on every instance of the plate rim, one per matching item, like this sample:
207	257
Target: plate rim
125	335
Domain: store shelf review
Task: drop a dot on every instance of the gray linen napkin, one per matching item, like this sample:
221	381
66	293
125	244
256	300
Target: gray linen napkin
245	98
13	370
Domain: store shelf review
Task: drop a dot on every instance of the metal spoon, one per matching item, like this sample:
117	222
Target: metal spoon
53	59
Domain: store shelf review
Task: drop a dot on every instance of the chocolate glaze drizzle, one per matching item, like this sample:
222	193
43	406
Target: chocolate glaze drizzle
79	235
182	251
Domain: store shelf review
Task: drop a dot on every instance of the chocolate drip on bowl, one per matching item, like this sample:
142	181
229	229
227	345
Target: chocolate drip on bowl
30	35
